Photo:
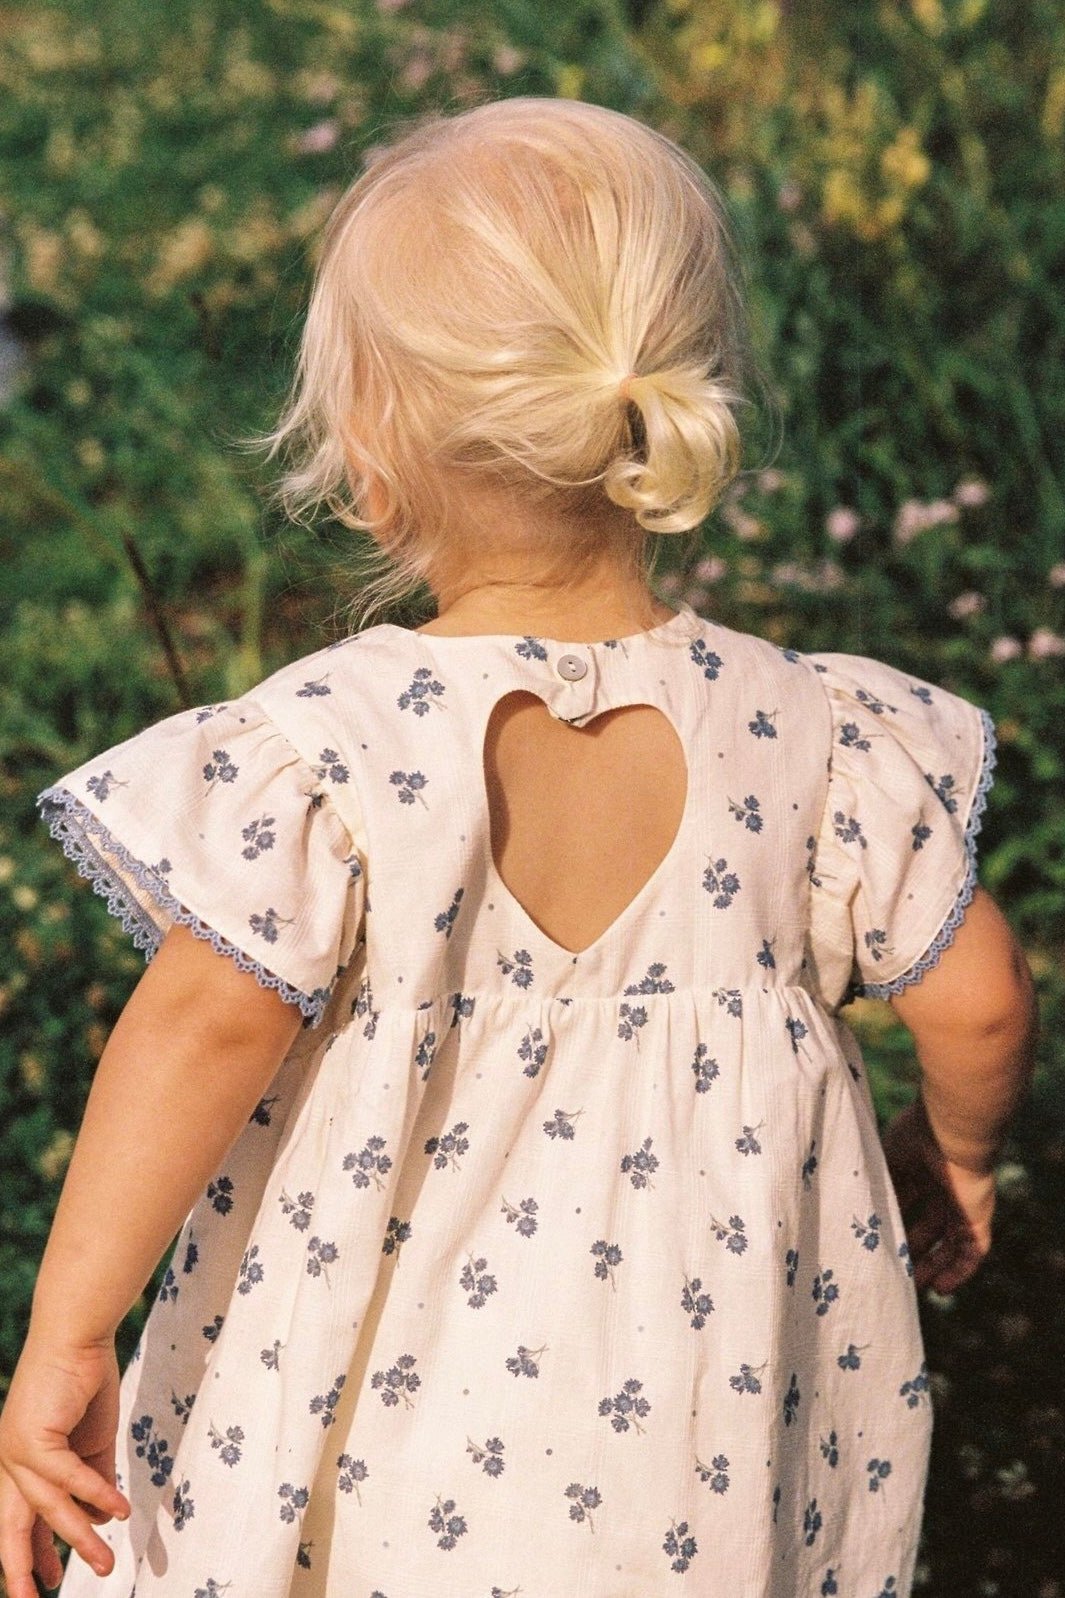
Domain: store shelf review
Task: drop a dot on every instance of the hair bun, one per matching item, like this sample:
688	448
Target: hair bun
684	452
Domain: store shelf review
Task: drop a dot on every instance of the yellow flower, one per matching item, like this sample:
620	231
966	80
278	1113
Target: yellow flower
55	1158
182	253
904	162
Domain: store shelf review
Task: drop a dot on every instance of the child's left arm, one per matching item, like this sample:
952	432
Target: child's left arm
189	1058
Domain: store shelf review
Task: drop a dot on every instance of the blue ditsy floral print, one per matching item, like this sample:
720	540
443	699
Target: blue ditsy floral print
680	1546
424	691
258	836
293	1500
450	1525
915	1390
516	1226
398	1382
705	658
721	882
631	1018
585	1499
351	1473
715	1474
762	725
153	1449
656	981
525	1362
449	1147
533	1051
696	1303
183	1505
370	1164
749	812
227	1443
323	1404
220	768
747	1142
489	1455
397	1233
477	1282
521	1216
748	1379
608	1257
518	967
825	1291
867	1232
641	1165
410	786
704	1069
627	1408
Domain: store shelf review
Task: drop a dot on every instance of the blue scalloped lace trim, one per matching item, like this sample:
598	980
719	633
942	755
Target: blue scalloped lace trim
945	936
74	827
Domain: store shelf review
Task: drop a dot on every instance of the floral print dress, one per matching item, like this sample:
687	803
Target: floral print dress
538	1273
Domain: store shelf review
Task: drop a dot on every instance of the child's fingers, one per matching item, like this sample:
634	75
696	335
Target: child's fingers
16	1551
52	1497
46	1560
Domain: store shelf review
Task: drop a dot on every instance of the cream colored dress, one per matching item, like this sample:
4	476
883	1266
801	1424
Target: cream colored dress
533	1273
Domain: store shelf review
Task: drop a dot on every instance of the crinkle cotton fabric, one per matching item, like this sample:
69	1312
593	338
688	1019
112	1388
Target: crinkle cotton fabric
540	1273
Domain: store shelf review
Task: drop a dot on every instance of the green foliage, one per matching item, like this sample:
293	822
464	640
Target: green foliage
894	171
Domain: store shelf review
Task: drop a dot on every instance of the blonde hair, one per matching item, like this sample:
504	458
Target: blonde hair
541	293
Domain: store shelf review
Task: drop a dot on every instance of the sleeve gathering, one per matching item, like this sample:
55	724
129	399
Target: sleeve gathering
211	820
893	866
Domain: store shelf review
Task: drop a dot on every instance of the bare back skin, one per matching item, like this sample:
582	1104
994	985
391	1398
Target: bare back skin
581	816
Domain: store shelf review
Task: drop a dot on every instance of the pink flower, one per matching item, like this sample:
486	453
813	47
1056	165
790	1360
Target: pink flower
743	525
966	605
789	195
710	569
914	516
971	492
1006	648
770	480
841	524
322	88
507	60
1043	644
1056	575
940	510
319	139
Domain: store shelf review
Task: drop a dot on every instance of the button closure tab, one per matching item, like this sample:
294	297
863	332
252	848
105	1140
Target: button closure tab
571	667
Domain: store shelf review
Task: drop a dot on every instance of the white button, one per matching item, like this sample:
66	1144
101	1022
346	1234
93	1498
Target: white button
572	667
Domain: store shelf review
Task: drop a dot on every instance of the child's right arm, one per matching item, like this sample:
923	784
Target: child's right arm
191	1054
974	1022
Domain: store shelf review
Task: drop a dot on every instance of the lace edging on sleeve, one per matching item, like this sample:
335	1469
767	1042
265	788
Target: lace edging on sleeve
114	872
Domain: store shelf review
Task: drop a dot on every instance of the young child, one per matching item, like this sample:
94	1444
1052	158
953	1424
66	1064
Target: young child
534	1233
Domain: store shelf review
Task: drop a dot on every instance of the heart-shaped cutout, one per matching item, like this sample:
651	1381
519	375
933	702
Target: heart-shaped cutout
581	818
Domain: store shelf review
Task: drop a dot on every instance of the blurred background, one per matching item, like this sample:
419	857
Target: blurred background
894	174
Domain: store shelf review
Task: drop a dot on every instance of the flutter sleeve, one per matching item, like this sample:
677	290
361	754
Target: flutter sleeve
211	819
893	866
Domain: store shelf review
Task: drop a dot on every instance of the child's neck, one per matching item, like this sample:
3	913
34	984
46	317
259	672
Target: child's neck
606	604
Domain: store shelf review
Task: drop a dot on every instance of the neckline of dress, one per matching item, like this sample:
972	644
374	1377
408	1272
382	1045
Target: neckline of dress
685	620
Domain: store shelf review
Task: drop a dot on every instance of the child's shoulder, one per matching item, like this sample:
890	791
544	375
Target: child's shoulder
317	674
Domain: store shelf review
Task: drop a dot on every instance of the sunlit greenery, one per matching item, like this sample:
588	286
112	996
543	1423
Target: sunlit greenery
895	174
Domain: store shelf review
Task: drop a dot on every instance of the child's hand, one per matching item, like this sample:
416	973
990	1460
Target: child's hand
57	1461
945	1207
